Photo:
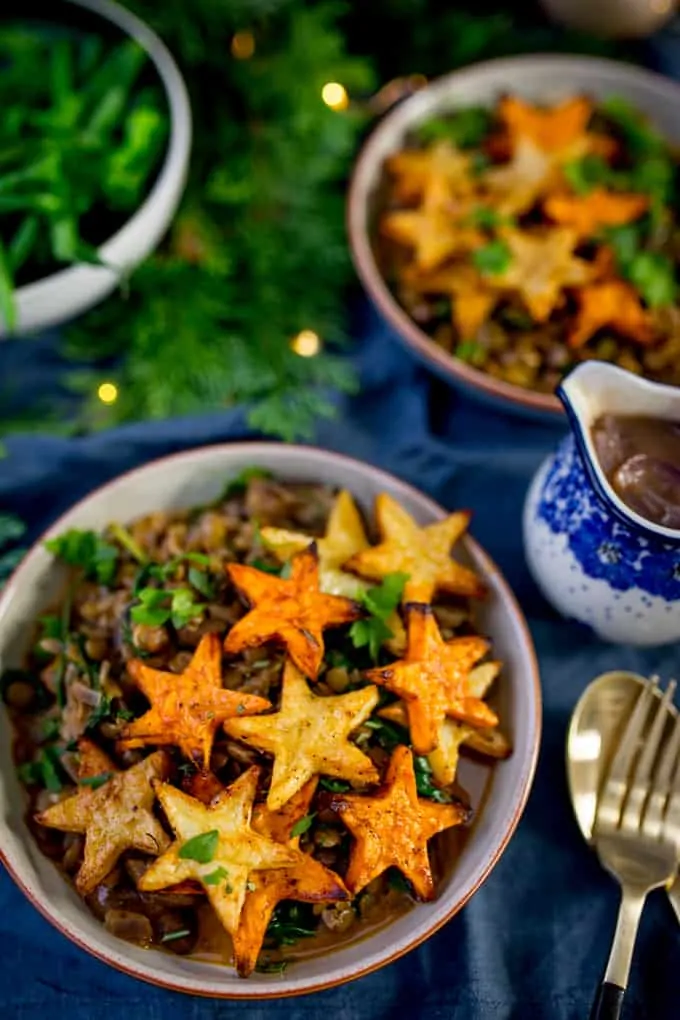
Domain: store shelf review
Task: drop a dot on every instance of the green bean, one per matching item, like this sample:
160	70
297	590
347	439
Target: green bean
23	242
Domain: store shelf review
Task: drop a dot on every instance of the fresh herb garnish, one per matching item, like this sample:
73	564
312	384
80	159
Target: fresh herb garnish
303	825
486	217
470	351
466	128
215	877
45	770
424	784
172	936
388	734
587	173
492	258
157	607
267	568
640	137
95	781
652	273
334	785
201	581
289	923
381	602
87	550
200	848
102	712
237	485
124	538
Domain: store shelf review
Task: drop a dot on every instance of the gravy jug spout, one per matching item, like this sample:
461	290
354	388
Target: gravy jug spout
596	393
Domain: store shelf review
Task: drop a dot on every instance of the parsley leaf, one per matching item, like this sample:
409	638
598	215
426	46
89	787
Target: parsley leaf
486	217
237	485
470	351
101	713
466	128
334	785
45	770
381	601
492	258
654	276
172	936
156	607
95	781
200	580
200	848
220	874
587	173
303	825
388	734
85	549
424	784
641	138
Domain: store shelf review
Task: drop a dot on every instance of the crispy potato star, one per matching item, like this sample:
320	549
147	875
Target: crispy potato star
345	536
587	214
422	553
292	611
309	736
307	880
436	231
434	679
613	304
216	846
392	828
542	264
517	184
414	170
472	299
559	129
114	817
452	735
188	708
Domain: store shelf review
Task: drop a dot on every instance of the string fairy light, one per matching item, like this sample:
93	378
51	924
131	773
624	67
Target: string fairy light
307	343
243	45
108	393
335	95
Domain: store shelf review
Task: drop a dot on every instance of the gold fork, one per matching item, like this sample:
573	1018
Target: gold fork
637	830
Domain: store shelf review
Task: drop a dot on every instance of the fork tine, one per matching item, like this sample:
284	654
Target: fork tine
671	774
610	802
642	781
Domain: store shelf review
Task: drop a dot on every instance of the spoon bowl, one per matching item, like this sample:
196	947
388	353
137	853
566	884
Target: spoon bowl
596	727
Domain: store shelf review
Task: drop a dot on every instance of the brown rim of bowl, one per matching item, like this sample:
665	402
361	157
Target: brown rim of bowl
374	282
280	991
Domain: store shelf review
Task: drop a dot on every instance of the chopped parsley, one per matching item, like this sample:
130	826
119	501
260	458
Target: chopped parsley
381	602
156	607
291	922
466	128
172	936
424	783
96	781
471	352
486	217
388	734
97	558
102	713
200	848
216	877
45	770
303	825
334	785
492	258
237	485
652	273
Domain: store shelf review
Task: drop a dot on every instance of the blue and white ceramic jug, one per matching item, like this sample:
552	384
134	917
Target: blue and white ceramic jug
595	559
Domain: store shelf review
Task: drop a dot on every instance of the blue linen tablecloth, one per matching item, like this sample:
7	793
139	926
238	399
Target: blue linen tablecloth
532	943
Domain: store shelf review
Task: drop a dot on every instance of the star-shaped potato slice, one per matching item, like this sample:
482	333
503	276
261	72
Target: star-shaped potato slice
307	880
188	708
434	679
516	185
392	828
215	845
436	231
542	264
345	536
452	735
422	553
559	129
414	170
113	810
292	611
612	304
587	214
472	298
309	736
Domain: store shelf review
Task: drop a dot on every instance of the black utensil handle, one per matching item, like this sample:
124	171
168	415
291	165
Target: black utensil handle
608	1002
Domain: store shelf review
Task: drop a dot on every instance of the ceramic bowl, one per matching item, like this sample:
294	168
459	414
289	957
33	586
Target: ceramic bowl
72	291
196	477
545	79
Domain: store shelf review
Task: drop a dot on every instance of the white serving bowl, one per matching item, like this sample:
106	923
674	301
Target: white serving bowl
196	477
72	291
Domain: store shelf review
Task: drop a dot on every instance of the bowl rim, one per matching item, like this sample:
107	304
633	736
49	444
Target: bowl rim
389	955
365	264
49	300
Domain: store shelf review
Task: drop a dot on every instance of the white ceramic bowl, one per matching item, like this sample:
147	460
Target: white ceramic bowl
536	78
196	477
70	292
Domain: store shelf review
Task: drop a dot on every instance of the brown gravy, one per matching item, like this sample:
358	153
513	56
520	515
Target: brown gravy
641	459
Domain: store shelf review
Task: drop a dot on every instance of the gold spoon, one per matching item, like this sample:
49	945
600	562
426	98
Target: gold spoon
595	728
